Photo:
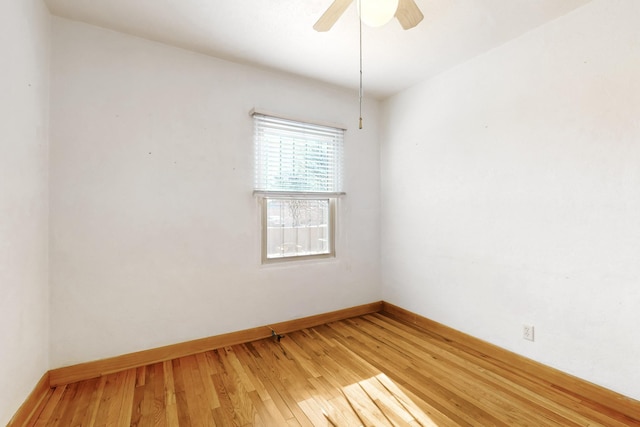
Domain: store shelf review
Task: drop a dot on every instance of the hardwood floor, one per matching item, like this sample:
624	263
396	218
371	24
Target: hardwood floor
370	370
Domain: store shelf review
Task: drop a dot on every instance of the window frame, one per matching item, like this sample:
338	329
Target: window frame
331	224
264	195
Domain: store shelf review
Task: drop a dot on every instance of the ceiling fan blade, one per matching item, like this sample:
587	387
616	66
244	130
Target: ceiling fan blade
331	15
408	14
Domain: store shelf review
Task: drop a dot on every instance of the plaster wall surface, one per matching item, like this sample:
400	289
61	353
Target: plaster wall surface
24	109
511	192
155	232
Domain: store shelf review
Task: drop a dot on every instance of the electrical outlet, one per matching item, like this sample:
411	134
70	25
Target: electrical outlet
527	332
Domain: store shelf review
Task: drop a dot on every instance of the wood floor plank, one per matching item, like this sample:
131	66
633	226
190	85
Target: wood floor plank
126	392
107	407
65	407
182	405
436	396
83	402
170	403
50	407
280	395
371	370
94	403
138	398
143	398
243	410
117	392
206	369
225	414
466	382
244	359
449	362
199	403
156	412
424	415
504	378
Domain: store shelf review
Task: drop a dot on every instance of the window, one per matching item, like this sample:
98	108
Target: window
298	174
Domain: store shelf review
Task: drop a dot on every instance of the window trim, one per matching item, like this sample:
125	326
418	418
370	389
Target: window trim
260	112
298	194
332	197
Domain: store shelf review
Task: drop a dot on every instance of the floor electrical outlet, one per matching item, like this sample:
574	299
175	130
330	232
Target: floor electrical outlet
527	332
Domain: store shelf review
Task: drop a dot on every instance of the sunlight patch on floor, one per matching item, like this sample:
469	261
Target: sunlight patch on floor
375	401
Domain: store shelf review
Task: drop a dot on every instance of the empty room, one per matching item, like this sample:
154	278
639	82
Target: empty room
320	213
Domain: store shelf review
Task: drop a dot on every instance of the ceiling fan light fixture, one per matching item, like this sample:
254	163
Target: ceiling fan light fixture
376	13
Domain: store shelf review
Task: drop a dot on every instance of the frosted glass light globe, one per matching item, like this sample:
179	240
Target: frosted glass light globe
376	13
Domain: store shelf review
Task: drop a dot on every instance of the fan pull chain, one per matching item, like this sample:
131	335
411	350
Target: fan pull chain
360	94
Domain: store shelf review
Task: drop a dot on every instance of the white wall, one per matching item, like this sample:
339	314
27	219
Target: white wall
155	231
24	100
511	195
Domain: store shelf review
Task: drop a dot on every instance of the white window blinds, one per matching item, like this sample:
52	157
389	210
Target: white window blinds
297	157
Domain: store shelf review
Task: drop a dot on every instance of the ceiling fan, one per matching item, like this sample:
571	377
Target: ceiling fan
407	13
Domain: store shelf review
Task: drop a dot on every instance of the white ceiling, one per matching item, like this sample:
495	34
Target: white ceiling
278	34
